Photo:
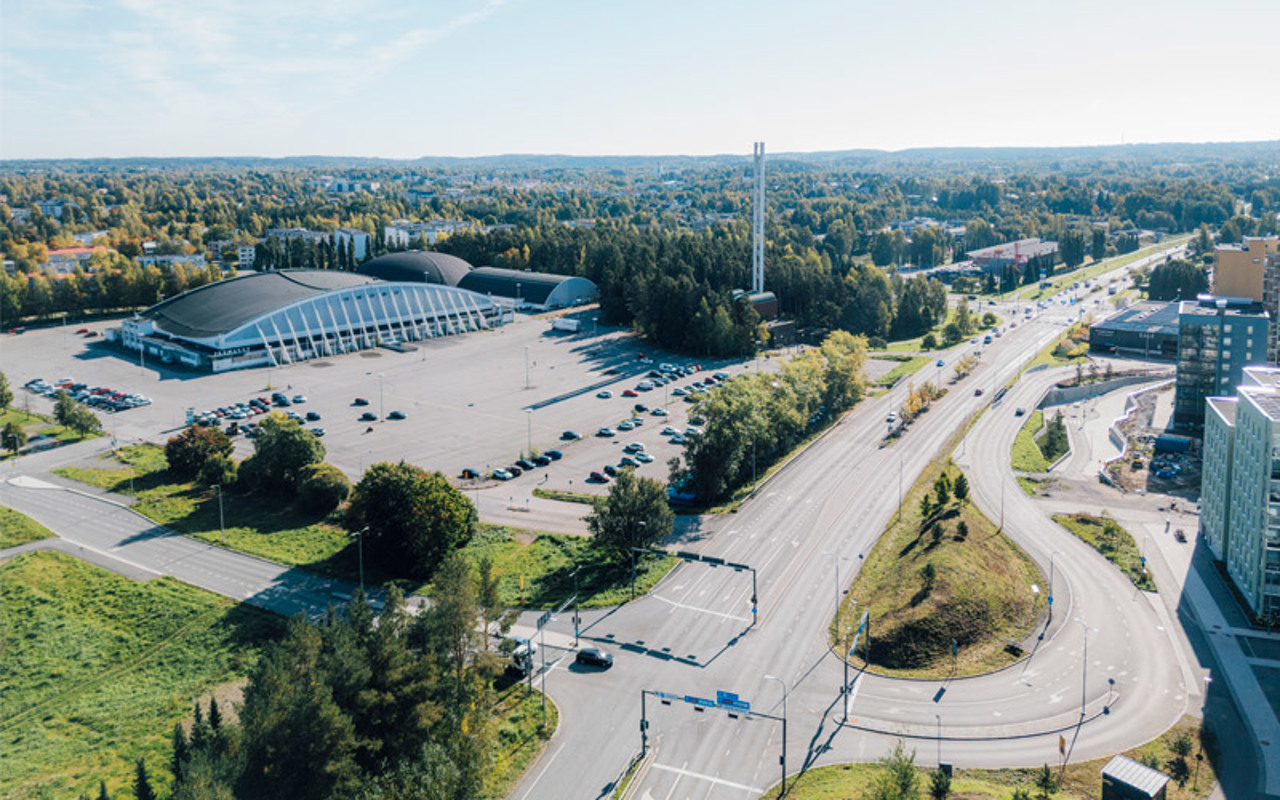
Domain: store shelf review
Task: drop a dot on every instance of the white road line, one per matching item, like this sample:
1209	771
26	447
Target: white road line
719	781
700	610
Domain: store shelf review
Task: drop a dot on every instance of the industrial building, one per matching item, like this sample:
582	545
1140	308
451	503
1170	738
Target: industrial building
280	317
1147	329
1217	338
994	259
538	291
1240	502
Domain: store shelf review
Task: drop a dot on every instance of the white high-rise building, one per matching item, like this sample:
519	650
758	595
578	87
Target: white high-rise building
1240	488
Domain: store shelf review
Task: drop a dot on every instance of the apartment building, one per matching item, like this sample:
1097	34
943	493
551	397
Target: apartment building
1239	270
1217	338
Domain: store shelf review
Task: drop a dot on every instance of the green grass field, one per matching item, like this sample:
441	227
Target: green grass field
37	425
1111	540
98	668
904	369
521	737
981	595
276	531
1080	781
17	528
1026	453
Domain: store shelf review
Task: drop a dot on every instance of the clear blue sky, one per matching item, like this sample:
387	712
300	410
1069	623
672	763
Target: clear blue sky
400	79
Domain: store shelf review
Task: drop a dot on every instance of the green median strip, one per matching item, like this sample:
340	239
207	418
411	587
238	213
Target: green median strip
1105	535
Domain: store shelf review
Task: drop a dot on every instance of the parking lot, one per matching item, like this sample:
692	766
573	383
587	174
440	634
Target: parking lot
478	401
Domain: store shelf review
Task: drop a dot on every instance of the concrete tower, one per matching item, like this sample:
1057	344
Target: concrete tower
757	221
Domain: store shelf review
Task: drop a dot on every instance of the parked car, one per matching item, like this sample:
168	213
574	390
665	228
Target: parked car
626	426
630	393
313	416
606	432
554	455
658	412
317	431
628	461
502	475
604	395
594	657
299	398
541	461
610	470
633	447
360	401
396	415
368	416
668	431
639	408
570	436
515	470
677	439
643	457
470	474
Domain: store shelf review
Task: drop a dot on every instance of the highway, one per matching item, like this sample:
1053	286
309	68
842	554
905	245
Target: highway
693	636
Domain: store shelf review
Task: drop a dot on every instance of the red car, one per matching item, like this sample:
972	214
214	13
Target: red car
83	330
630	393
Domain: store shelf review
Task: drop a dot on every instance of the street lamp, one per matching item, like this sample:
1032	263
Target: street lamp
222	527
528	415
784	731
939	718
360	549
640	524
1084	665
577	617
526	366
381	414
1052	555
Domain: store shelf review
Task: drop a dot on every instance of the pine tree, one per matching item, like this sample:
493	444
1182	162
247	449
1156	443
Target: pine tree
142	784
180	749
961	488
103	794
215	716
1045	782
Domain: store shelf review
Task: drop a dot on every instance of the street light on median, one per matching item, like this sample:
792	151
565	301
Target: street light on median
783	760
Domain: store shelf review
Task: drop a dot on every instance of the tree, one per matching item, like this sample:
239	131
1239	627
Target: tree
939	785
929	342
218	471
989	319
942	490
487	583
961	488
82	421
103	794
13	438
1098	247
6	394
896	778
928	576
141	783
1177	279
415	518
1071	247
634	514
323	488
282	449
188	451
179	757
1045	782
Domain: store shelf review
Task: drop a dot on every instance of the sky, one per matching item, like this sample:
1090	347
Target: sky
410	78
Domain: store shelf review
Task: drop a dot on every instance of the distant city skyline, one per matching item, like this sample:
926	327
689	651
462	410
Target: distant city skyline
489	77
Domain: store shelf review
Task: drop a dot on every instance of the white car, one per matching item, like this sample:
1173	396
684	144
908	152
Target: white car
658	412
606	432
502	475
605	395
624	426
692	431
668	431
678	392
634	447
643	457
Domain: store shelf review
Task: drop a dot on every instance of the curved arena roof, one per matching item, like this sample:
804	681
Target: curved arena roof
534	288
416	266
220	307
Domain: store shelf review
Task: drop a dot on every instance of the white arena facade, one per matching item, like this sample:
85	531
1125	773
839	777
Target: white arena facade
287	316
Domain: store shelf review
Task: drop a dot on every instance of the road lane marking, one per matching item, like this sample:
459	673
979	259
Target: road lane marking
676	605
718	781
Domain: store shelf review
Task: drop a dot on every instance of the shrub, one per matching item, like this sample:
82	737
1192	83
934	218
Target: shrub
877	343
188	451
929	342
322	488
218	471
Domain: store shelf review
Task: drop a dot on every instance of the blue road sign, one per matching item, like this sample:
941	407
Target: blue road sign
699	701
725	697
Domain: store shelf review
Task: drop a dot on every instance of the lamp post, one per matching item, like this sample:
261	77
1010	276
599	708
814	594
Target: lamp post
528	415
640	524
222	526
1084	665
1052	556
526	366
577	617
360	549
381	410
939	718
783	760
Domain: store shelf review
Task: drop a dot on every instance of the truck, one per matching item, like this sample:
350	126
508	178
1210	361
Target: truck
563	324
522	655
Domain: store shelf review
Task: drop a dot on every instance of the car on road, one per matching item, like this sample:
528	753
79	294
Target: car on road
368	416
554	455
977	392
396	415
360	401
643	457
502	475
606	432
892	418
570	436
1019	412
594	657
604	395
941	363
313	416
598	477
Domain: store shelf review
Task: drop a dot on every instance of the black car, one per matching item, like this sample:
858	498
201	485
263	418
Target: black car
541	461
368	416
396	415
570	436
554	455
525	464
360	401
470	474
594	657
611	470
313	416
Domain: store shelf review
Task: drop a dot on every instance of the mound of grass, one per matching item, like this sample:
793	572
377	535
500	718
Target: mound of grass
1105	535
521	738
37	425
903	370
1026	453
927	583
544	562
17	528
98	668
564	497
1080	780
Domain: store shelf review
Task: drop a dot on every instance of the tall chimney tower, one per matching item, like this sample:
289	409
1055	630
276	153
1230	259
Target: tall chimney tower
757	221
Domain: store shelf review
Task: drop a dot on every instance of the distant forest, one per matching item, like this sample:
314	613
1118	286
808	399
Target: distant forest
666	239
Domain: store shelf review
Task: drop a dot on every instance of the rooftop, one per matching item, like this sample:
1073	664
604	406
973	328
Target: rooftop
1225	407
1144	316
1265	398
